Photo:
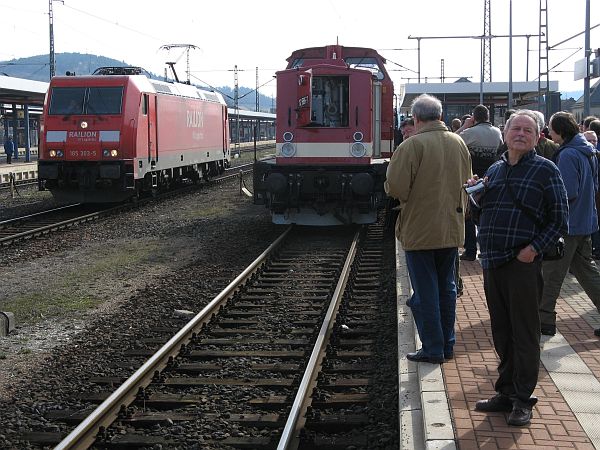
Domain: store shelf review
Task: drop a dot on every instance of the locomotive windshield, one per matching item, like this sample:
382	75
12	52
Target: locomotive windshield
371	64
81	100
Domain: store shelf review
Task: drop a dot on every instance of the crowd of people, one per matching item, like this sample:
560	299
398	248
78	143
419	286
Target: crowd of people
507	197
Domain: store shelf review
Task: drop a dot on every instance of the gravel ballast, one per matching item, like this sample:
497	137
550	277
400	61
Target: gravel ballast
65	287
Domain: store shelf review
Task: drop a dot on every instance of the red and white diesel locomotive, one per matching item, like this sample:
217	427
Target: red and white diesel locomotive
334	137
117	134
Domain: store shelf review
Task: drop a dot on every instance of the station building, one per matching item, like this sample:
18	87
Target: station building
459	98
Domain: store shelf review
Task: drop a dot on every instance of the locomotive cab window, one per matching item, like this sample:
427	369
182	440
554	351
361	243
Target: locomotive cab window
95	100
104	100
329	105
145	104
65	101
368	63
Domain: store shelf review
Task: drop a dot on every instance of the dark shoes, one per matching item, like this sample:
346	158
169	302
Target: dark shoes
548	330
597	332
448	356
498	403
467	257
519	417
419	356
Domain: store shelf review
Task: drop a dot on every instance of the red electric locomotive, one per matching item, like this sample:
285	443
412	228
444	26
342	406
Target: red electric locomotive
117	133
334	138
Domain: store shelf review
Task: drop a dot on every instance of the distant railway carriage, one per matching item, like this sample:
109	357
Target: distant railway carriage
116	134
335	129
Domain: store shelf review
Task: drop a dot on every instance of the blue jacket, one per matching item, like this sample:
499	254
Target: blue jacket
578	167
9	147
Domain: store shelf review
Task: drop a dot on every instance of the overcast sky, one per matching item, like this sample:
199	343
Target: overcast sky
263	33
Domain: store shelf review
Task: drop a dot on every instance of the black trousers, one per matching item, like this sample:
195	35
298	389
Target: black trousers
513	292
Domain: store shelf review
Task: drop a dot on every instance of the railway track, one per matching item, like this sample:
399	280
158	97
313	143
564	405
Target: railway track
299	351
57	219
246	147
33	225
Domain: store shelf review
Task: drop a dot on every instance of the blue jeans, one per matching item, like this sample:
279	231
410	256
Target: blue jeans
433	302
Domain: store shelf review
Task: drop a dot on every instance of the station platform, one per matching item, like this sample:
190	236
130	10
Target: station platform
21	170
437	402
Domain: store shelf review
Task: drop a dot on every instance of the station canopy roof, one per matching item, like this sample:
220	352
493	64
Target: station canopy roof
22	91
460	92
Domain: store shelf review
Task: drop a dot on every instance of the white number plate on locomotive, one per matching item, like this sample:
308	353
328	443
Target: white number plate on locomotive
82	153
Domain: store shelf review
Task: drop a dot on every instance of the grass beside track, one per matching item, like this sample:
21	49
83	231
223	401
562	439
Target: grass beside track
63	293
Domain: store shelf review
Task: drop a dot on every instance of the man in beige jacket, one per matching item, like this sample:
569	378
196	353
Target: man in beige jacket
426	174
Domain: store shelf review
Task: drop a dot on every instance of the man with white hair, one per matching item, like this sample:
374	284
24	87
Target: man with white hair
426	174
520	187
591	137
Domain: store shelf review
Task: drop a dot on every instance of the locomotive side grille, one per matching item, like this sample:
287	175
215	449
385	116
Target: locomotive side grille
162	88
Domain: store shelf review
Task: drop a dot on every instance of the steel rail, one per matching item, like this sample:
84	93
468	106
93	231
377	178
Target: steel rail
85	433
57	225
4	223
40	230
289	437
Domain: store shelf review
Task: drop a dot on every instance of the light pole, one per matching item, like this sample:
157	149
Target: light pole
510	81
51	15
588	51
51	23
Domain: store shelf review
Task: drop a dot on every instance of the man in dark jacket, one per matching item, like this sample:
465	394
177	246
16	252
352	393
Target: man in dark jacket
522	211
9	148
578	165
483	140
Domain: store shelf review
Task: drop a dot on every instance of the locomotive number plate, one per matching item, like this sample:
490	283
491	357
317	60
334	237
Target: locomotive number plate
82	153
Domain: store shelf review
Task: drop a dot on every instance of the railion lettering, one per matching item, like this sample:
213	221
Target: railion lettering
195	119
83	134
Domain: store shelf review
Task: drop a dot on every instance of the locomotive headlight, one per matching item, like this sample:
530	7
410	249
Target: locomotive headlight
59	153
106	153
358	149
52	153
358	136
114	153
288	149
288	136
55	153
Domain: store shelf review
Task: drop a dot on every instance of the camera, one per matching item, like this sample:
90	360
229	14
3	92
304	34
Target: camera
476	188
